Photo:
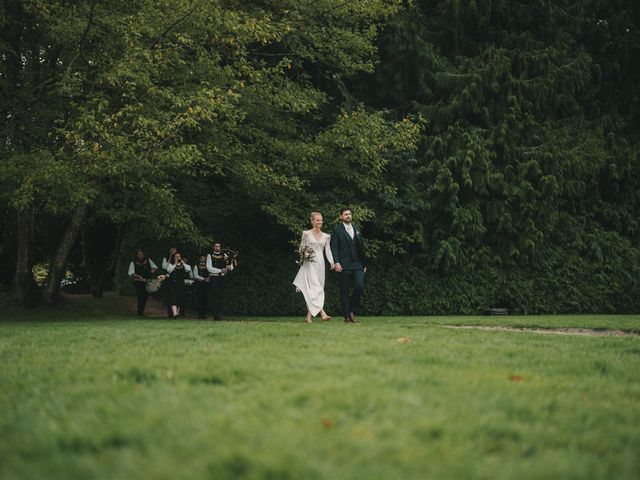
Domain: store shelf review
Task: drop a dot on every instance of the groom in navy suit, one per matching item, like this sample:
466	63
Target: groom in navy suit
350	263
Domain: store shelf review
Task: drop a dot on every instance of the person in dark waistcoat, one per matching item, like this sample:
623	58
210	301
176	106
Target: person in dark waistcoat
188	282
201	275
218	265
178	271
350	263
166	295
141	269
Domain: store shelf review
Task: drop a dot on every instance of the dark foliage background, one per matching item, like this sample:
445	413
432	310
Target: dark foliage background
521	189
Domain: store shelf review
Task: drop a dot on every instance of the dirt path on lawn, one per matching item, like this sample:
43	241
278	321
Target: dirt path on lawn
584	332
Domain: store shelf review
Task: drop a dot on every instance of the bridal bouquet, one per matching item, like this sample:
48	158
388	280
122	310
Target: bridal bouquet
307	254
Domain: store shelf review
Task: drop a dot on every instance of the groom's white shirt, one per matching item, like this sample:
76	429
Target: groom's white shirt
349	228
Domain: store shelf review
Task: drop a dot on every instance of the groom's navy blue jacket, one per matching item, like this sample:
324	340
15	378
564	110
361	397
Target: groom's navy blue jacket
347	251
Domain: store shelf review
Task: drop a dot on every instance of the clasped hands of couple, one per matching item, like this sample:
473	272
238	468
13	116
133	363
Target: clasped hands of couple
338	268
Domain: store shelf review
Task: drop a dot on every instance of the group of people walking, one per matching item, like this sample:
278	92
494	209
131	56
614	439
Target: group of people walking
208	273
343	250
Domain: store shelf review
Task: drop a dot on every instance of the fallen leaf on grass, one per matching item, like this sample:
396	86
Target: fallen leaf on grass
405	339
516	378
326	423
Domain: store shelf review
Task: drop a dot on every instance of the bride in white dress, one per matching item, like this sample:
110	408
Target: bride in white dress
310	277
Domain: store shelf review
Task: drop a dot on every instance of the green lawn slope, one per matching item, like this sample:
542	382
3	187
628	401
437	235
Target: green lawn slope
89	391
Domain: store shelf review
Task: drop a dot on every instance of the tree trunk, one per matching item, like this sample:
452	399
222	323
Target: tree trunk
24	285
51	290
97	280
108	273
89	266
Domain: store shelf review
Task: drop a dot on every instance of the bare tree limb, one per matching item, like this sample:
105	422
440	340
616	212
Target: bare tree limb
173	25
86	32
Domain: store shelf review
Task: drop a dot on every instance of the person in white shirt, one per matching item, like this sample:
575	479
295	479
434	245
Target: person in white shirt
350	263
218	264
166	260
165	263
178	271
202	277
188	284
141	270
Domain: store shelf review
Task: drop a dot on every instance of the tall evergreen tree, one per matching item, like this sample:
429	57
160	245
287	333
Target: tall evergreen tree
530	155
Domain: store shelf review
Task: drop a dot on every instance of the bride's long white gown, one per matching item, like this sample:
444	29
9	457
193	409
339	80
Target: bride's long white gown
310	277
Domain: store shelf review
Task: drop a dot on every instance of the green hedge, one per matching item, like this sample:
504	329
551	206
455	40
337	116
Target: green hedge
557	284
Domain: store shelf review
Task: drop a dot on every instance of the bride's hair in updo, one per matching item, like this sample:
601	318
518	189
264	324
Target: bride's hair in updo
314	214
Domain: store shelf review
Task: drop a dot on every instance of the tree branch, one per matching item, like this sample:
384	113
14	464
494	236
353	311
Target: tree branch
83	38
86	31
174	24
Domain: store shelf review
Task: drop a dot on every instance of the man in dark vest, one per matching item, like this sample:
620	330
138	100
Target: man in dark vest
201	275
141	270
218	265
165	290
350	263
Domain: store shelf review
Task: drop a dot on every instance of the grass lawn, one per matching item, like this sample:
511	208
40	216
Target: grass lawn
87	392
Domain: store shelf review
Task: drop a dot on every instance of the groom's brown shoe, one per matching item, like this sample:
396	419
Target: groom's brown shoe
352	318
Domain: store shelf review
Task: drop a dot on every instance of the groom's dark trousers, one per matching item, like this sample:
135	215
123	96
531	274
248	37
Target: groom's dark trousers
348	278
